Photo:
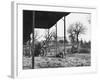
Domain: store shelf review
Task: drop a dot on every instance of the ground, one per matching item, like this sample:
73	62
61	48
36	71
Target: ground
71	60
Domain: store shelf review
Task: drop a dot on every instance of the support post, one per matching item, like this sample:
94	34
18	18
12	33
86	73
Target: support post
48	42
56	37
33	26
64	33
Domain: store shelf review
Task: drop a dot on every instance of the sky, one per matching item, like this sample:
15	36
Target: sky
70	19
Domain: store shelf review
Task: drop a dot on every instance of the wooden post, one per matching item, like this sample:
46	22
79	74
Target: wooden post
33	26
56	37
48	42
64	33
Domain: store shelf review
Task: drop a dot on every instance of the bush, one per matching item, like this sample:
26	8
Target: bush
26	51
37	50
72	50
84	50
75	50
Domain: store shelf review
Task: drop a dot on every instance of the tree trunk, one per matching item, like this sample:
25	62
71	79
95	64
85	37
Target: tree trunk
77	43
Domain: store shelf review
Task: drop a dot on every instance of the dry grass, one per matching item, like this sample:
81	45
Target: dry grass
71	60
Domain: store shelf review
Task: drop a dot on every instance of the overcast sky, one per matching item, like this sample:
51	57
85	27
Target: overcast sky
72	18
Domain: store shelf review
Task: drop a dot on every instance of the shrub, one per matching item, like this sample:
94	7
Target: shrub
84	50
72	50
75	50
37	50
26	51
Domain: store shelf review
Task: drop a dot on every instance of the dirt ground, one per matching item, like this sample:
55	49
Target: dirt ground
71	60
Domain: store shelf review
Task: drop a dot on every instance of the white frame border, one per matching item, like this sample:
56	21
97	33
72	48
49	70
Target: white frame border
17	26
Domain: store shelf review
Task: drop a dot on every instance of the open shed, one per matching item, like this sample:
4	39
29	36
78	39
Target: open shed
41	19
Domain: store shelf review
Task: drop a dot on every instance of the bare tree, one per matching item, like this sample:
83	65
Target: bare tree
79	29
71	33
75	30
50	35
47	36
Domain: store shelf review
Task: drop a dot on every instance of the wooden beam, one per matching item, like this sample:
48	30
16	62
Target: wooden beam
48	48
64	33
56	37
33	26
